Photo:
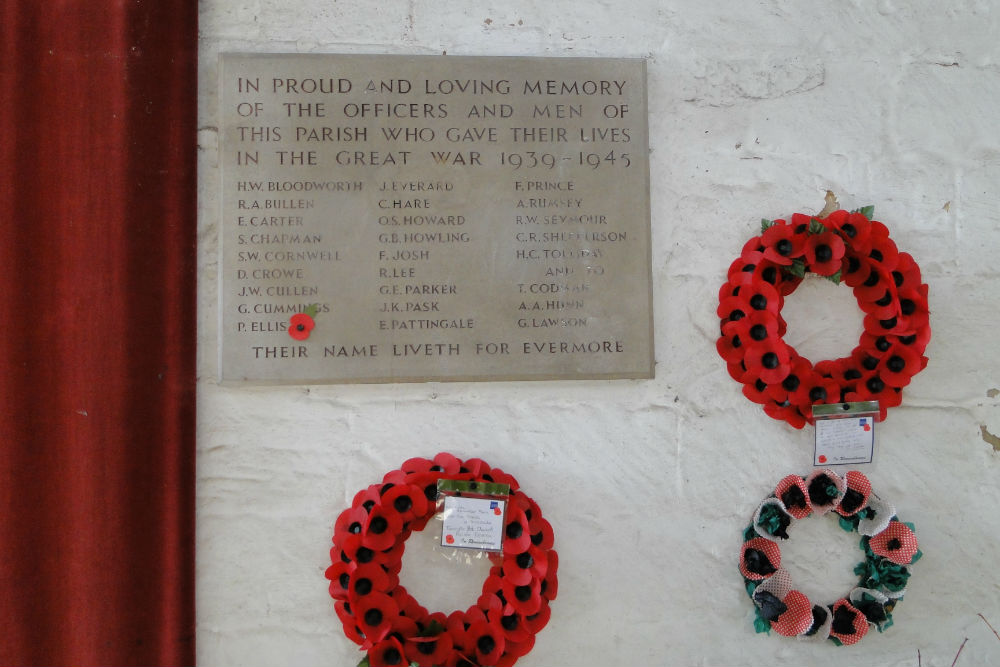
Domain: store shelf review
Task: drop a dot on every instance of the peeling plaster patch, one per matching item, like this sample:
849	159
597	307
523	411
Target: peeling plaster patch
727	83
992	393
989	438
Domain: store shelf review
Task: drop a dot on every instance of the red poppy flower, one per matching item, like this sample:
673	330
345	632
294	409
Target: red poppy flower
353	551
855	499
429	651
406	603
877	288
350	522
906	275
759	559
382	529
768	360
446	463
787	412
730	345
759	296
486	641
814	389
849	624
754	244
898	366
800	372
757	390
883	307
367	498
373	614
406	501
732	308
781	244
857	269
883	249
350	624
523	567
797	618
516	650
871	387
742	269
541	532
913	306
300	326
387	653
517	533
792	491
768	272
856	231
492	598
727	290
550	584
339	574
824	253
369	579
525	598
897	543
756	327
526	505
414	465
513	626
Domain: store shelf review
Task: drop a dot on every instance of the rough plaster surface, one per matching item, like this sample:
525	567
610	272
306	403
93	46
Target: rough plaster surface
756	108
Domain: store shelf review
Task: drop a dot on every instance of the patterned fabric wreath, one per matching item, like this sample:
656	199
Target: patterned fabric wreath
848	247
389	624
888	544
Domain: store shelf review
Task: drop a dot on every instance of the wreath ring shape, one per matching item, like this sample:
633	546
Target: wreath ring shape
889	547
847	247
389	624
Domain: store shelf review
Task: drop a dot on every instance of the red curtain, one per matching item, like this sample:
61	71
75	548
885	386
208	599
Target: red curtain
97	353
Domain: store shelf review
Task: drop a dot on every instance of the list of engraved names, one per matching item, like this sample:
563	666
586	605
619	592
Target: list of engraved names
392	218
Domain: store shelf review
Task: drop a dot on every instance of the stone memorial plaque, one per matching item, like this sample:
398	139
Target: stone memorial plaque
414	218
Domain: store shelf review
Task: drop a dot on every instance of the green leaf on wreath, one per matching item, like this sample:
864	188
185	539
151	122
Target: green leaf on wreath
917	556
765	224
867	211
761	625
849	523
886	624
835	278
816	227
797	269
364	662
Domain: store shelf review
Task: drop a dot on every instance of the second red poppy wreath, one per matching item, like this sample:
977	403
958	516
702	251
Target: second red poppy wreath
847	247
389	624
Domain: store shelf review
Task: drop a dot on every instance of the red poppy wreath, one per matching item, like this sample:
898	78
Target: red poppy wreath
889	545
846	247
389	624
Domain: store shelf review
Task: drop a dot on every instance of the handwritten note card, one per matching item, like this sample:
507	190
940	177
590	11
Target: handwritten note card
845	440
473	523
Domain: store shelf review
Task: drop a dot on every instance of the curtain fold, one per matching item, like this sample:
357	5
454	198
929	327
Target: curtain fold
98	104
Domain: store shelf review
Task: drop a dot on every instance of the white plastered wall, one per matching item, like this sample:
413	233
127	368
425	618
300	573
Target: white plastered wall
755	110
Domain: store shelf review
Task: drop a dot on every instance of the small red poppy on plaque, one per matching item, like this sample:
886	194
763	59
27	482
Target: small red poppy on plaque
300	325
